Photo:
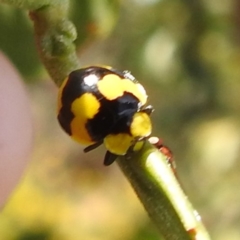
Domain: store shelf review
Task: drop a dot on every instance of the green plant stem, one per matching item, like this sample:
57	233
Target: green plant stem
158	189
54	37
54	34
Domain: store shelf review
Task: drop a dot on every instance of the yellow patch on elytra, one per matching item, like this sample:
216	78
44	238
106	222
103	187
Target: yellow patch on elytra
111	86
118	143
86	106
79	132
141	125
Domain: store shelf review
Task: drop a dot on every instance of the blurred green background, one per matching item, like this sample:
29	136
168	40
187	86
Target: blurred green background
187	55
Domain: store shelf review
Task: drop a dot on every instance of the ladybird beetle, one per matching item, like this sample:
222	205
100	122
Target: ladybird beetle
103	105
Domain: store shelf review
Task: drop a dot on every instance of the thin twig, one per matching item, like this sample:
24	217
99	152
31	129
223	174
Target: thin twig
158	189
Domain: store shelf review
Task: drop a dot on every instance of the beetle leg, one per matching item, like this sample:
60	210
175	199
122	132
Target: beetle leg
109	158
92	147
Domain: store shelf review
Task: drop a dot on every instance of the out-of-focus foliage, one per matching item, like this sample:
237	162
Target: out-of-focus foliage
17	40
92	18
187	55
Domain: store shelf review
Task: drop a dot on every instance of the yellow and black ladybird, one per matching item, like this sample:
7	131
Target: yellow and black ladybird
102	105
